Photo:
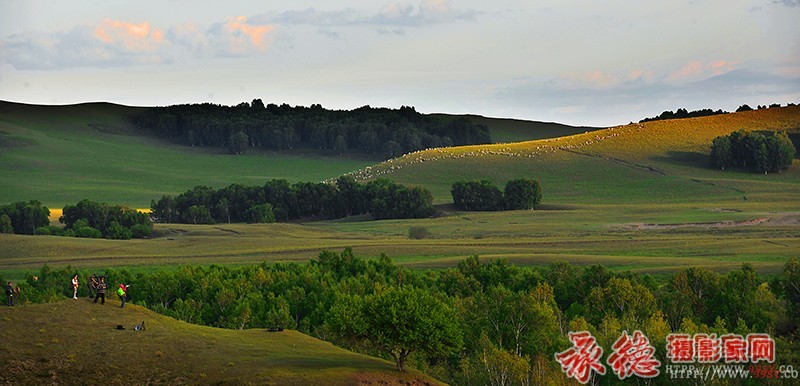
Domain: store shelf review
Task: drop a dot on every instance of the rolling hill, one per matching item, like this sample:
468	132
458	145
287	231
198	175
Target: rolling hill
62	154
76	342
639	196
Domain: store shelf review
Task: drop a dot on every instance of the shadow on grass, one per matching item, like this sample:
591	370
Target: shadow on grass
685	158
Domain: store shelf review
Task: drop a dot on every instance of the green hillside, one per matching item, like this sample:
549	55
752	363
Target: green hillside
639	196
62	154
76	342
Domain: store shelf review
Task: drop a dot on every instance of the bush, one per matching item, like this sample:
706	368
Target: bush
88	232
141	231
44	231
418	233
118	232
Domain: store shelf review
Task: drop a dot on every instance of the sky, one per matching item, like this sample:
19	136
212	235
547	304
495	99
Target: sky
575	62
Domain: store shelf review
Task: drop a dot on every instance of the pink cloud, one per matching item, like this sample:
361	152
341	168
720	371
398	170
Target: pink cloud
638	74
131	36
244	35
595	78
697	70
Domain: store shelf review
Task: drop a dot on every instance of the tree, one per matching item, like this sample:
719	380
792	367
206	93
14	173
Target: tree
399	322
237	143
392	149
5	224
721	152
340	144
118	232
260	214
522	193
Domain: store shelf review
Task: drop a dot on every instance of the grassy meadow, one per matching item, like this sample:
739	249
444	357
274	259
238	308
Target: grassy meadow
86	348
638	196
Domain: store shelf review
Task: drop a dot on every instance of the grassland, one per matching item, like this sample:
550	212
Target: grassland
639	196
62	154
84	347
515	130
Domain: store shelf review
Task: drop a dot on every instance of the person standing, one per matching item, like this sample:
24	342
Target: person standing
93	286
101	291
10	294
75	287
123	294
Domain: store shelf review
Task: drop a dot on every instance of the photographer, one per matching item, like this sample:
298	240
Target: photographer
122	291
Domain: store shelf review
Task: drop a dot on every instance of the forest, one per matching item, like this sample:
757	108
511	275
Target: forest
277	200
375	131
482	322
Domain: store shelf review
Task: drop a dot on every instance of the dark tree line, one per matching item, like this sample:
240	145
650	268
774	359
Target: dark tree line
761	151
23	218
382	131
97	219
277	200
484	195
683	113
478	323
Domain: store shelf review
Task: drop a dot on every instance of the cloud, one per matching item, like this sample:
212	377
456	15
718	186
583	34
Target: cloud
788	3
696	70
119	43
241	37
391	16
633	99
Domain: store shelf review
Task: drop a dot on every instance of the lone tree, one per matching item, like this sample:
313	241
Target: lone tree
238	142
398	321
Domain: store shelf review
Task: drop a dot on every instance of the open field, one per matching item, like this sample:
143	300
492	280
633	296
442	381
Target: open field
85	347
62	154
638	197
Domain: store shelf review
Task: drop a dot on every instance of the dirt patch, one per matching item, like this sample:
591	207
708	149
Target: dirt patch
228	230
718	224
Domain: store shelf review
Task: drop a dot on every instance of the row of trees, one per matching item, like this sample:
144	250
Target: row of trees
683	113
277	200
383	131
96	219
763	151
482	322
85	219
23	218
484	195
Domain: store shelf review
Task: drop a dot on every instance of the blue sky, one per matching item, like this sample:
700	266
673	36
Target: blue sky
576	62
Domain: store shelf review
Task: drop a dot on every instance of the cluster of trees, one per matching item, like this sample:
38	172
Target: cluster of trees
23	218
484	195
277	200
383	131
683	113
93	219
762	151
85	219
482	322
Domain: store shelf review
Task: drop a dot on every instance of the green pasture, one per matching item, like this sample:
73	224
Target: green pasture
85	347
638	197
62	154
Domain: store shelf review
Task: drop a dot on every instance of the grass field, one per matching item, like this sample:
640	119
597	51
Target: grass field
85	347
639	197
62	154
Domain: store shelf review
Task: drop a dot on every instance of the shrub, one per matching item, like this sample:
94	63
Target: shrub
418	233
88	232
141	231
